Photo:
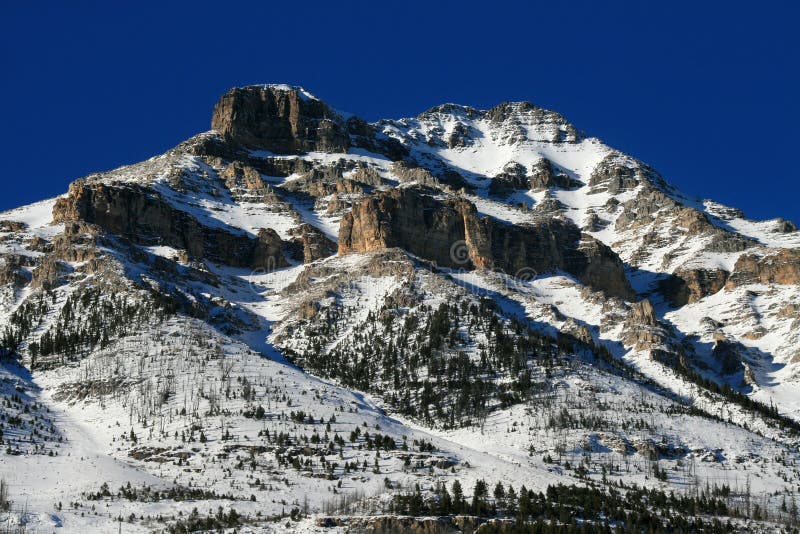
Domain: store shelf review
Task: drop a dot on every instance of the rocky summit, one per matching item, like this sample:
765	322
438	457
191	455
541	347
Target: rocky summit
464	321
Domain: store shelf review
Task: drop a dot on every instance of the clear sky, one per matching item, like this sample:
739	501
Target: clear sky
706	92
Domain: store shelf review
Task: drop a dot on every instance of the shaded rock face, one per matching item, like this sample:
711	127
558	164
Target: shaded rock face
614	176
782	267
727	354
311	245
143	217
281	120
516	177
12	269
513	178
685	286
409	171
362	135
450	233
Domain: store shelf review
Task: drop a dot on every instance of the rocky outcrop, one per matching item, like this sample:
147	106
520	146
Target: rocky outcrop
513	178
459	136
281	119
543	176
597	265
523	121
363	135
655	209
615	175
407	172
405	218
781	267
516	177
311	244
726	353
246	184
48	274
12	269
12	226
142	216
641	328
689	285
450	232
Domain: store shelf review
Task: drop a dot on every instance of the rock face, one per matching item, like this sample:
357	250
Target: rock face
727	355
11	269
408	219
450	233
781	267
313	245
142	216
280	119
685	286
641	329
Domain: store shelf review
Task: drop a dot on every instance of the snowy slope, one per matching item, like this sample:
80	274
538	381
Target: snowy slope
277	368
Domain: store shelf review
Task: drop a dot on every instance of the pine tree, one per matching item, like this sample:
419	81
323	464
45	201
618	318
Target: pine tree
458	497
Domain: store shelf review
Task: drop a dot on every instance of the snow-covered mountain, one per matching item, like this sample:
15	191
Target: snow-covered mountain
299	320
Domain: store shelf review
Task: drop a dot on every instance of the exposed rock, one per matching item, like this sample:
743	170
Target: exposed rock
523	121
513	178
363	135
544	176
652	207
279	119
367	176
641	329
516	177
783	226
279	166
48	274
689	285
450	233
12	269
245	183
404	218
615	175
313	244
599	266
141	215
727	354
781	267
320	182
577	331
409	172
459	136
12	226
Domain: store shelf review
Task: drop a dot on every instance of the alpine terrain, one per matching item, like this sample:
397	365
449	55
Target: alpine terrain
466	321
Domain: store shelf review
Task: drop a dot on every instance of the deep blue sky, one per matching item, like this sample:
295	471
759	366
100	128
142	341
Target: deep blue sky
706	94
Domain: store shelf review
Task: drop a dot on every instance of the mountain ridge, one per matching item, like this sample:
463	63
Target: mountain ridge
451	275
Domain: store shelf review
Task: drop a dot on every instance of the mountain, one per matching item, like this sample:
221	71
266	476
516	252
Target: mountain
300	320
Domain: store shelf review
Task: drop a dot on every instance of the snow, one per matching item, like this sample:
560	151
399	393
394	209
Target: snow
305	95
36	216
201	362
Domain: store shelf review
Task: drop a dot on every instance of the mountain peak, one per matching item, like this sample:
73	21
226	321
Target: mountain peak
283	87
280	118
